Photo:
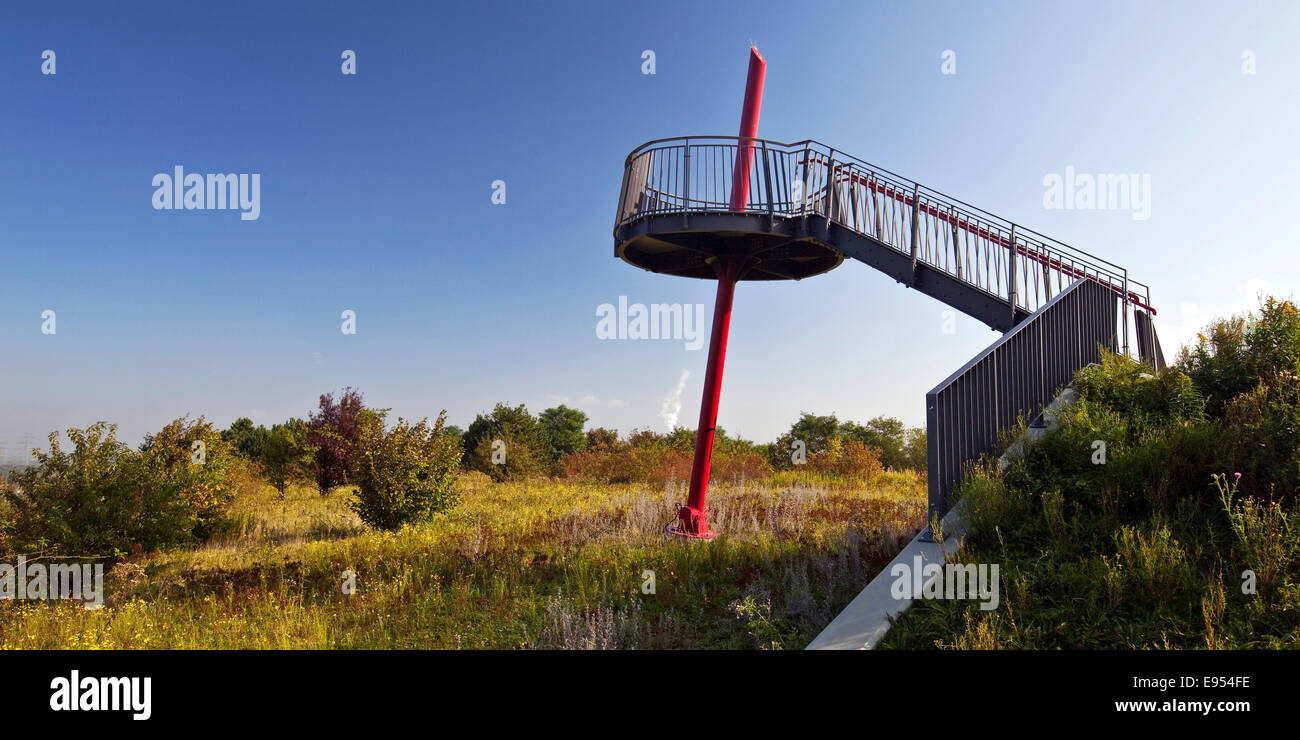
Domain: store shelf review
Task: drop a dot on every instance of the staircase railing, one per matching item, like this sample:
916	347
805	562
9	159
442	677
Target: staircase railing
1018	265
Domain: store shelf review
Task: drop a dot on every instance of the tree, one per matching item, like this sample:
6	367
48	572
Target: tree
815	431
245	437
563	429
405	474
334	431
886	434
286	455
915	452
507	444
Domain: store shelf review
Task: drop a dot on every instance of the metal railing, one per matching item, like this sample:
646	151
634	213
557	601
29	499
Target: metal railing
1016	375
1026	269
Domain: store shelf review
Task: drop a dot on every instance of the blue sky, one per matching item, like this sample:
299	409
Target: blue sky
376	194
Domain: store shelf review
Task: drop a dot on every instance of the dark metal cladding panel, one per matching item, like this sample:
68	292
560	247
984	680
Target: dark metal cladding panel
1018	374
932	454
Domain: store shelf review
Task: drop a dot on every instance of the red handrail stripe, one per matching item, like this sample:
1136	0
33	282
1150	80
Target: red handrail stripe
1001	241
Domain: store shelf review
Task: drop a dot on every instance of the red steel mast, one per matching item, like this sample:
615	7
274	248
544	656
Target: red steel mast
693	518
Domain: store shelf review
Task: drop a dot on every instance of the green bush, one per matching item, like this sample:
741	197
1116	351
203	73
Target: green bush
104	499
1249	369
1233	356
194	454
848	460
1151	565
1146	398
405	474
1262	427
1217	363
1273	343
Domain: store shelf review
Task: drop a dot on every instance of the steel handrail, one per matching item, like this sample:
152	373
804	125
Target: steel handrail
1054	255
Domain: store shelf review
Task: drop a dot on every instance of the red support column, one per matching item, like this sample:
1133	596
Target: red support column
693	518
748	129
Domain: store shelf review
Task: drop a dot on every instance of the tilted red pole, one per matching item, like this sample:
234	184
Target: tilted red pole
748	129
693	518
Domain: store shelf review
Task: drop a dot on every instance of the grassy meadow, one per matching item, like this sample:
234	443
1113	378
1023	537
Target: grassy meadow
542	563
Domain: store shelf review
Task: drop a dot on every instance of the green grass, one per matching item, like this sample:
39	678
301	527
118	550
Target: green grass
541	564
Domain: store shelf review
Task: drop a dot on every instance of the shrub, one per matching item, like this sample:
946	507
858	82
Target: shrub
738	464
1249	370
1152	563
1148	399
1157	446
1234	355
627	463
849	459
650	457
1262	427
991	502
405	474
1267	536
194	455
601	437
601	464
859	461
103	499
1273	343
662	465
1217	363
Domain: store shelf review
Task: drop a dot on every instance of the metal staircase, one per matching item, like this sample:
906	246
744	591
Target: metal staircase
810	206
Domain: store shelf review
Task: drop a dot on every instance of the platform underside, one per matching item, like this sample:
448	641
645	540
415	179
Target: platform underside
663	244
792	248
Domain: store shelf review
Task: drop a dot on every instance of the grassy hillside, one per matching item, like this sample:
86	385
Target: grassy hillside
1185	534
537	564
